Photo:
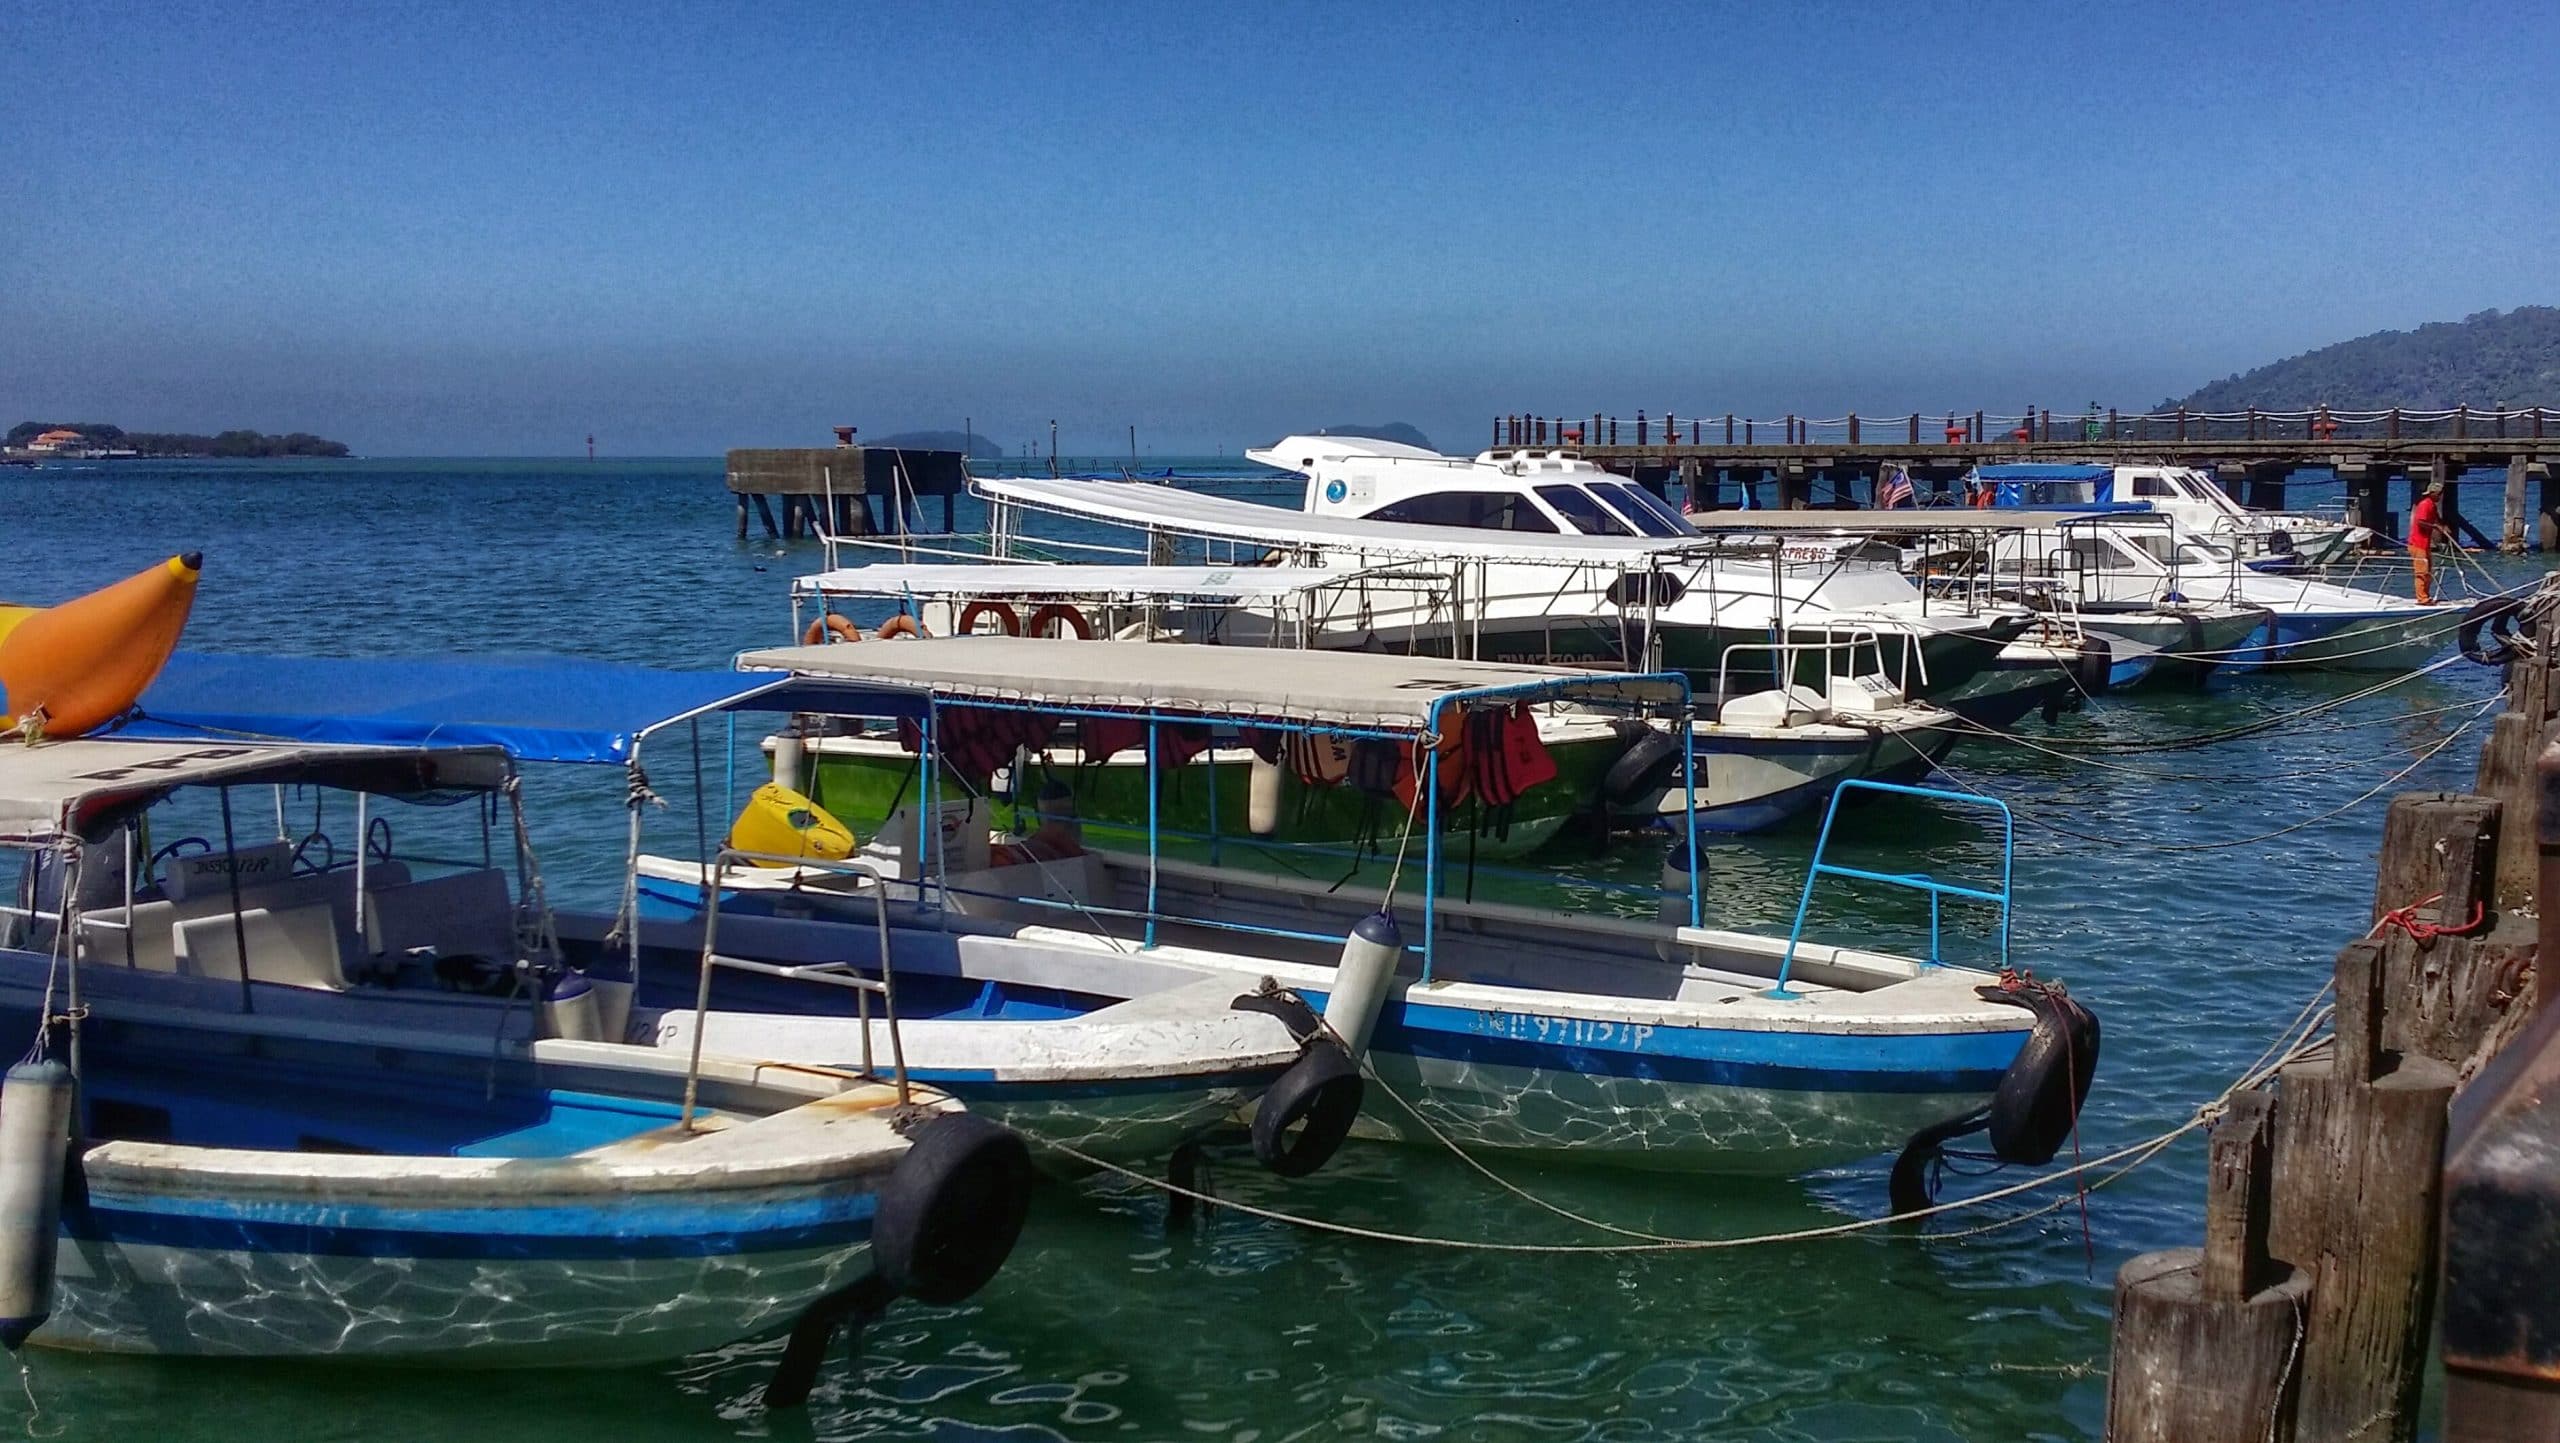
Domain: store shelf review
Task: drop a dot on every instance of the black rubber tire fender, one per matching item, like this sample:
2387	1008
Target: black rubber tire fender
2096	664
951	1209
2039	1097
2496	617
1322	1089
1645	766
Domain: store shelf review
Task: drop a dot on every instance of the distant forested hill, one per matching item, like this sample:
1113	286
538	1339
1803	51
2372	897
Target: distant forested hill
977	446
183	443
2494	358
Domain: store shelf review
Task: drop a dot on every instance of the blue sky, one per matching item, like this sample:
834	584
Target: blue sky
490	229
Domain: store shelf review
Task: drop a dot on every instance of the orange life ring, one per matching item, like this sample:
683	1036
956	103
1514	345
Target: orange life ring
898	626
1058	611
1002	611
826	624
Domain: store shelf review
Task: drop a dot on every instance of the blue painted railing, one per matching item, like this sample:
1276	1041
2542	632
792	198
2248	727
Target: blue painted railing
1921	881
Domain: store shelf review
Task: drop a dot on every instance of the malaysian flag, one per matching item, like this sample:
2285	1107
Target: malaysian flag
1893	488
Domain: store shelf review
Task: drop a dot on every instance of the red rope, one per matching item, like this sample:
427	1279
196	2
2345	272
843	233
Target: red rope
2406	919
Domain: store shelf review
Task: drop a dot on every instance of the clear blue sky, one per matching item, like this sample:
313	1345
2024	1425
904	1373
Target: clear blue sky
487	228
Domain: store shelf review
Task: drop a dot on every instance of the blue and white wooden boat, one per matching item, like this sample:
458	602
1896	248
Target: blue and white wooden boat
1126	1059
318	1105
1659	1041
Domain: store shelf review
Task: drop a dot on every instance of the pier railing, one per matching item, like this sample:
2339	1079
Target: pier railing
2036	425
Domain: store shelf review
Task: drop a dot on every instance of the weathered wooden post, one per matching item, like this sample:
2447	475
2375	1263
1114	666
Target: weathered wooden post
1853	428
2359	1145
1915	428
2393	430
2207	1339
2182	423
2462	422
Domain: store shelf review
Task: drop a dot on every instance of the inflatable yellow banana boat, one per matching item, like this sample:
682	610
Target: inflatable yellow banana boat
67	669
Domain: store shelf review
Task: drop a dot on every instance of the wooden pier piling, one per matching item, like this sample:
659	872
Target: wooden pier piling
2344	1195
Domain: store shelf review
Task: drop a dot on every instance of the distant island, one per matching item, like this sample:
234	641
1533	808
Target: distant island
96	438
1391	431
978	447
2490	358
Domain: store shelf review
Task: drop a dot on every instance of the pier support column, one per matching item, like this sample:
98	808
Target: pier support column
2266	485
1795	489
2511	535
2369	500
764	510
2231	476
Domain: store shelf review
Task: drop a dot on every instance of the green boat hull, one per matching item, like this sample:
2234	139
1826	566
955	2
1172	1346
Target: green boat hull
1206	804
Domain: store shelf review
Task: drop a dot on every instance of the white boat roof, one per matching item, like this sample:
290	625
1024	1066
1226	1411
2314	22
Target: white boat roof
1342	688
55	789
957	579
1297	453
1904	521
1189	513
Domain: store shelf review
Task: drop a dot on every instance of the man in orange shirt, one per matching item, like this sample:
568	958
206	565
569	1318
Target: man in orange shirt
2426	527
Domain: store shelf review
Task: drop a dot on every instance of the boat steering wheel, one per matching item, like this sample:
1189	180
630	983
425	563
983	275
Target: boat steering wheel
305	868
202	847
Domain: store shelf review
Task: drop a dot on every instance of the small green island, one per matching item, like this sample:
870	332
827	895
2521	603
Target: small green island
41	440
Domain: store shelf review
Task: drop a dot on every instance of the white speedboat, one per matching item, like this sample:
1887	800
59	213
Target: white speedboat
2134	562
2263	539
1548	559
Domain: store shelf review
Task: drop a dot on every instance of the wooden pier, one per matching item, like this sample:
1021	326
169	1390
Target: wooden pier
2252	453
2410	1168
870	490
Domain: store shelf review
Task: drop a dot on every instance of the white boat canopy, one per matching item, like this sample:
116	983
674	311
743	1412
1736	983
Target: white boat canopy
1221	518
1922	520
1341	688
961	580
61	789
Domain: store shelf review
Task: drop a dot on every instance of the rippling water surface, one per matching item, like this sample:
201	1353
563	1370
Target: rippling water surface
1109	1325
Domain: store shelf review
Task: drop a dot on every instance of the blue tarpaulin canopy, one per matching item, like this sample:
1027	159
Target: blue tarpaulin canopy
536	709
2033	483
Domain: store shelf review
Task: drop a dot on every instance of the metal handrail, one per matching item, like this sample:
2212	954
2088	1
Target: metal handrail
715	875
1920	881
1783	651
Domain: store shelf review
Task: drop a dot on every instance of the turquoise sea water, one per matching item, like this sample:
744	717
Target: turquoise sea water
1108	1325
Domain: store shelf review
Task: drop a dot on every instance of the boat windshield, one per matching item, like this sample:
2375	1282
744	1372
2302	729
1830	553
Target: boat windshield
1583	511
1647	512
1476	510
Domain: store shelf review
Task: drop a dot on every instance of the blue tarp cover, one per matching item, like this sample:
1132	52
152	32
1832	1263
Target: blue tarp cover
2044	471
537	709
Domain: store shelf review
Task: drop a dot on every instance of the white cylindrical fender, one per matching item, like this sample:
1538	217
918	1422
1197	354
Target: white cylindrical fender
35	1133
573	1011
1262	797
789	751
1361	980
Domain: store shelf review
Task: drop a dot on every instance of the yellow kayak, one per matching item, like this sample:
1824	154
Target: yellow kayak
66	670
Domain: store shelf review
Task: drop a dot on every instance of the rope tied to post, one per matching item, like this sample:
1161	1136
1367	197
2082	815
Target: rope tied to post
2423	932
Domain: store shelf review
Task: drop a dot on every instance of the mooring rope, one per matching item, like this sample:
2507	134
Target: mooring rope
2130	1156
2351	804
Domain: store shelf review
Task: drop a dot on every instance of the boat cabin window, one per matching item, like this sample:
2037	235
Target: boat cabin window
2152	486
1643	510
1477	510
1583	511
2092	553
